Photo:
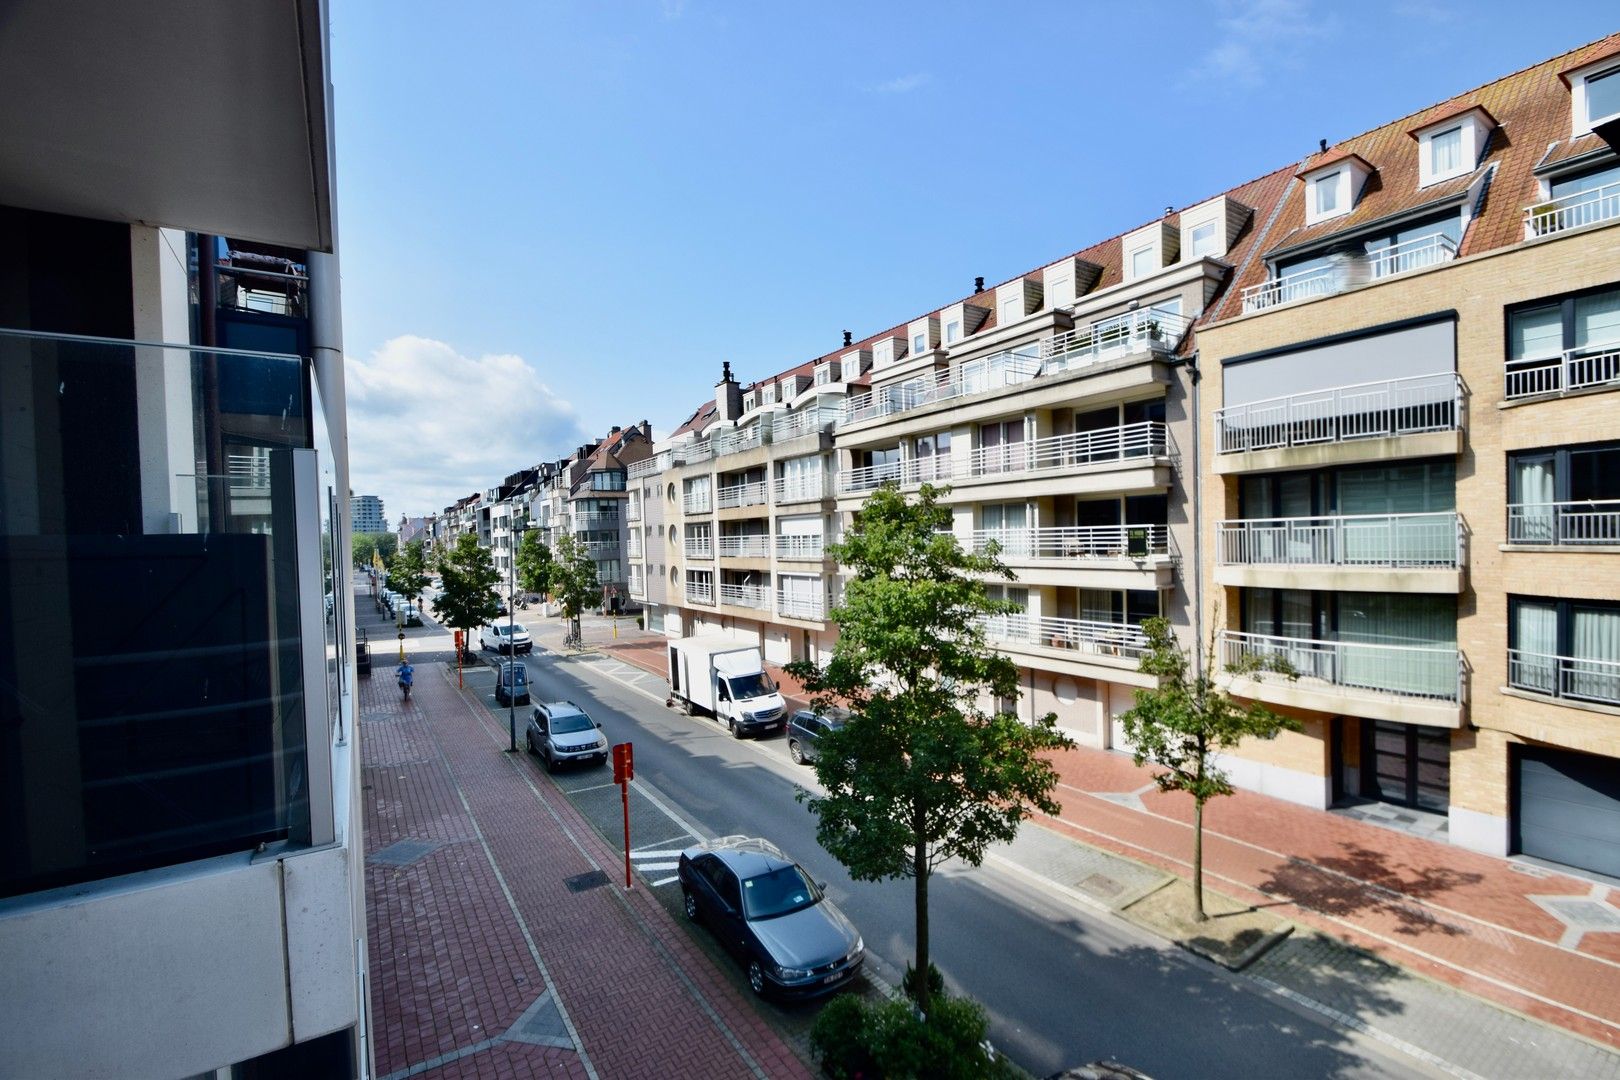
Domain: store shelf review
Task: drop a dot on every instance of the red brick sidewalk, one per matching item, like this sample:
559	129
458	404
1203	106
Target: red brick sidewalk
1465	919
474	925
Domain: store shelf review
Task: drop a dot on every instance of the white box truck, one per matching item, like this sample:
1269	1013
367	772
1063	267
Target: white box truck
726	678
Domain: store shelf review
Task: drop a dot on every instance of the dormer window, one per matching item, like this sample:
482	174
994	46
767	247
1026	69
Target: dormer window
1451	142
1205	240
953	331
1332	183
1141	262
1594	94
1602	97
919	343
1325	195
1445	153
824	374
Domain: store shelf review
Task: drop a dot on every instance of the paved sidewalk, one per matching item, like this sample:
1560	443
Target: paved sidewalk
499	944
1478	923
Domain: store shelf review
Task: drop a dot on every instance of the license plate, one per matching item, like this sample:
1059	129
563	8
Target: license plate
834	977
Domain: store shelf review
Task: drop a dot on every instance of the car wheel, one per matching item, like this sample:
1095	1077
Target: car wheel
551	763
689	902
794	752
530	740
736	733
756	978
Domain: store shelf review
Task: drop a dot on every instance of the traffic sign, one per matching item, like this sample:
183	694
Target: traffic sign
624	763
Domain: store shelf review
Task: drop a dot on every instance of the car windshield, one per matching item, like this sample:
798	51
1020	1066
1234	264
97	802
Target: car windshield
779	892
751	686
517	628
518	673
562	725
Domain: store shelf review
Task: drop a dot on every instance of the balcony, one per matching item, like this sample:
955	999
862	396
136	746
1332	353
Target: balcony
732	440
1369	552
1273	432
633	547
699	547
1419	684
1076	542
593	520
1572	211
756	597
1143	330
697	502
700	592
632	512
1416	254
1304	285
790	489
1586	368
799	606
1088	642
812	418
1565	524
1569	677
601	549
755	494
803	547
649	466
638	584
745	547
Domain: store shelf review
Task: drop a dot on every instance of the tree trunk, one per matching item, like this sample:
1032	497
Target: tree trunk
1198	861
920	871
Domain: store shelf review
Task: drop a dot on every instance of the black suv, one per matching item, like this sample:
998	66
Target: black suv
511	683
805	730
792	940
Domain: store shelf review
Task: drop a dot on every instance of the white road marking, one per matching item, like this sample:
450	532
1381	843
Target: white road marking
655	865
661	853
664	881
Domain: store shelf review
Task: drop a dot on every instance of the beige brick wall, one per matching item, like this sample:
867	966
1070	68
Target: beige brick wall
1478	289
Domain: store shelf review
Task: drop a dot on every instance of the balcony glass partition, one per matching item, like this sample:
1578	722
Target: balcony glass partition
156	502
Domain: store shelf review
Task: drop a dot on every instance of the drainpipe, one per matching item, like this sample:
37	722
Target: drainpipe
1197	584
214	484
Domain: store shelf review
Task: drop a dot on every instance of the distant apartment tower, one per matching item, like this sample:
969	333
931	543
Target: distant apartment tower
181	865
366	514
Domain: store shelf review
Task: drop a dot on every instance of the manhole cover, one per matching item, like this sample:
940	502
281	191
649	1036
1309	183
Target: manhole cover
403	852
1585	914
1102	885
585	882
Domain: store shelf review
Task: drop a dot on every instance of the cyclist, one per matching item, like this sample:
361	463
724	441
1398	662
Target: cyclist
406	675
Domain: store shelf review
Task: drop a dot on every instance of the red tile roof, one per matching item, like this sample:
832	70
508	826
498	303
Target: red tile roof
1332	157
1449	112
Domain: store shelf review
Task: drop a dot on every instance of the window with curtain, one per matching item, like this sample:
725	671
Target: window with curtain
1445	151
1535	332
1597	320
1594	670
1532	490
1008	524
1565	648
1423	627
1327	194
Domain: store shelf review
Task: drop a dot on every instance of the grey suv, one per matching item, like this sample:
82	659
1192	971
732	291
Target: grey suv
792	940
560	732
806	729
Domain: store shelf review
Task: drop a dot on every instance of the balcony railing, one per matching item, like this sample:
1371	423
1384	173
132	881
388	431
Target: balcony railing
1573	369
799	606
731	440
1412	255
748	596
632	546
1070	635
1144	330
649	466
1318	281
745	547
755	494
699	592
806	420
699	548
1410	406
1057	453
638	584
1397	541
1571	523
697	502
1576	678
1572	211
601	549
800	547
1075	542
589	521
1425	672
632	511
786	489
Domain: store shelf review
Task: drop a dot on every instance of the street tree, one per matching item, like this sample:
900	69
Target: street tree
574	583
409	574
535	566
1181	723
924	771
469	598
383	545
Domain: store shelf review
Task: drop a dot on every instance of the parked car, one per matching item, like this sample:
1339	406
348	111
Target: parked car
764	907
560	732
806	728
511	682
362	654
494	636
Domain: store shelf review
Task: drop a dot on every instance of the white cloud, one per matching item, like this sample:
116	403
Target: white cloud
1255	37
428	425
903	84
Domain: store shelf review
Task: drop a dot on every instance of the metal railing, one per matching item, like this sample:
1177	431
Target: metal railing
632	546
698	547
697	502
1412	255
1575	677
809	419
734	439
802	546
1319	281
810	488
1425	672
755	494
649	466
694	453
1070	635
1589	522
1057	453
748	596
1411	541
596	519
1074	542
699	592
753	546
601	549
1409	406
794	606
1143	330
632	510
1572	369
1572	211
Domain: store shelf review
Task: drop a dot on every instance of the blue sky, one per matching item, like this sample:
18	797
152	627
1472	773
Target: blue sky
556	217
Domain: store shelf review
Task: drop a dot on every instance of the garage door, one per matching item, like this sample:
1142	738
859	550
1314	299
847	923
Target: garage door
1569	808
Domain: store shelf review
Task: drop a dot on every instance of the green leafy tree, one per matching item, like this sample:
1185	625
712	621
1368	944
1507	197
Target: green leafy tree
574	583
364	546
1188	717
409	574
923	772
535	566
469	599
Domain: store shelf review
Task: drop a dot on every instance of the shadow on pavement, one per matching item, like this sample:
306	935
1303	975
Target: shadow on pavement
1321	885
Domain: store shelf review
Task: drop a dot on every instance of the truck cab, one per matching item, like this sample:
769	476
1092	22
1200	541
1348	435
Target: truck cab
727	679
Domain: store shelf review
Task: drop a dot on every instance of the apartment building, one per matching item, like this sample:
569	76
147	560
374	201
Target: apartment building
181	870
366	514
1354	415
1414	438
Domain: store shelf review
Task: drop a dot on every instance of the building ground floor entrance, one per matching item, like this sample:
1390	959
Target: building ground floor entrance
1567	807
1402	764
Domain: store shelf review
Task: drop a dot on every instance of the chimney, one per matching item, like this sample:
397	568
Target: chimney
727	394
1323	144
978	285
1169	210
646	428
616	430
849	339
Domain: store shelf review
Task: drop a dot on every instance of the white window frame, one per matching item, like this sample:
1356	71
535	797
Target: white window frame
919	344
1146	249
953	331
1580	104
1325	184
1215	246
